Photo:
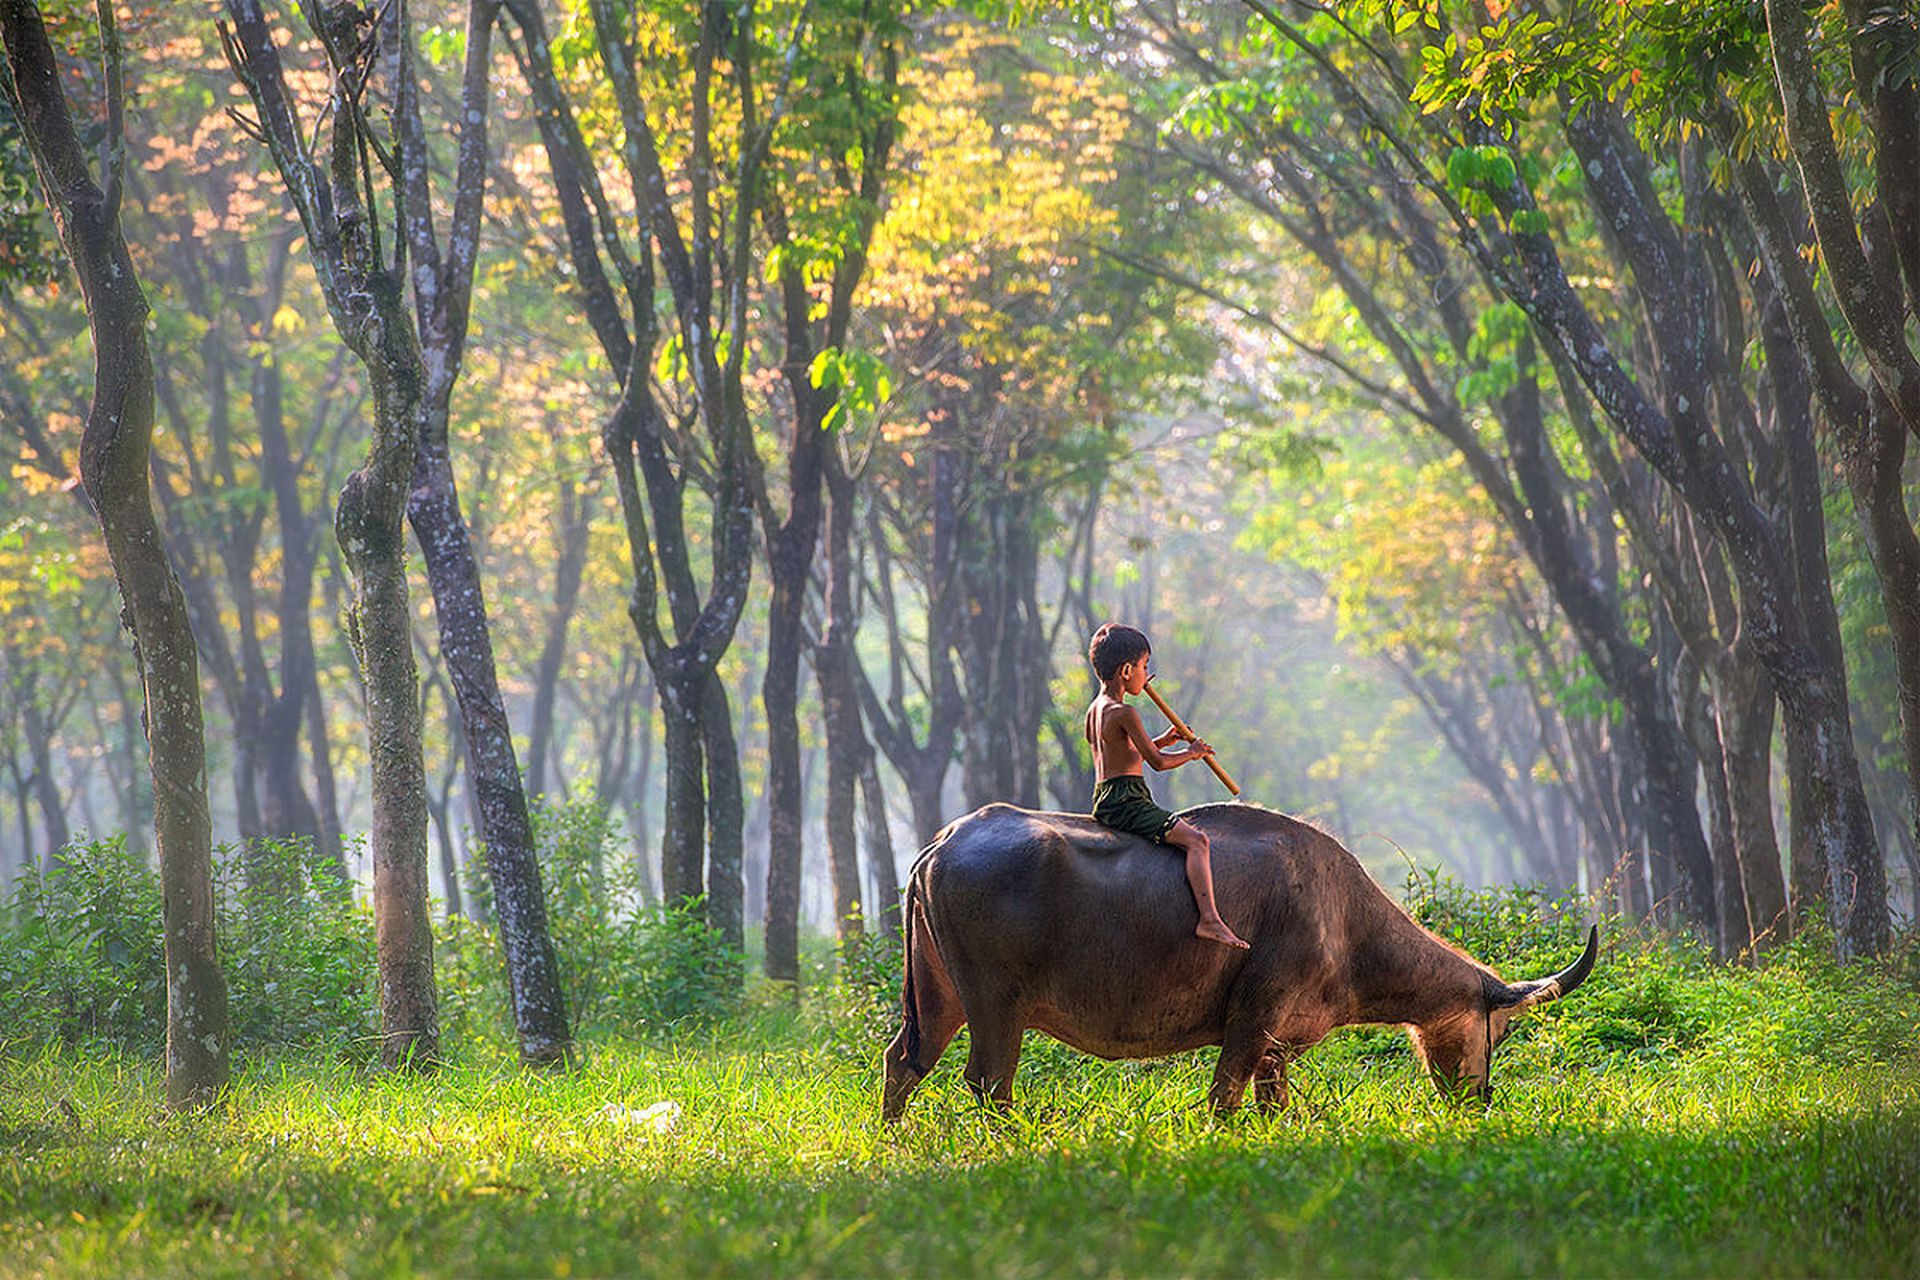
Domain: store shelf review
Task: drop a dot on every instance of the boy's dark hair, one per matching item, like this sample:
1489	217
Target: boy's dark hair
1113	646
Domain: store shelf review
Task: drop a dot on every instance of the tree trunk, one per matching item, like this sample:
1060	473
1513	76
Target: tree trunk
885	906
136	804
1873	470
286	806
639	802
1787	377
493	772
840	706
726	814
790	553
574	528
1745	699
365	298
922	766
442	292
1001	643
46	788
23	813
1678	441
440	809
320	749
789	564
1676	849
683	838
114	455
368	524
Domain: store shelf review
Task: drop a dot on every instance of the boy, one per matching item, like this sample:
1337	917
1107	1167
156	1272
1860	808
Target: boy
1120	745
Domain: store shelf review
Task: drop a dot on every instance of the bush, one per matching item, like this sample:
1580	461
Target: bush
298	952
1655	995
626	966
82	956
81	953
860	1008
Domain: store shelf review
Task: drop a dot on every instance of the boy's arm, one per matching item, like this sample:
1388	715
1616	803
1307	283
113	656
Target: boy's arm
1149	748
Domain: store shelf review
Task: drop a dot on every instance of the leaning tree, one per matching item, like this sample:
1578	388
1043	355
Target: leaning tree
114	453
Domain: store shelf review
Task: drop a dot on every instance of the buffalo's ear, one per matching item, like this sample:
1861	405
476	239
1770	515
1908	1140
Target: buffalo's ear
1520	995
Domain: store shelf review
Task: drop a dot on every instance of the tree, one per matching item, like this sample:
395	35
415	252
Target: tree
1334	101
1335	191
701	159
1670	421
1020	344
361	279
113	465
413	362
820	214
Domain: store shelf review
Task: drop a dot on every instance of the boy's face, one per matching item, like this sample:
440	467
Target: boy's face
1133	675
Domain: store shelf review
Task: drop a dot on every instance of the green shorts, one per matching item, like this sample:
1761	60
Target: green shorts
1125	804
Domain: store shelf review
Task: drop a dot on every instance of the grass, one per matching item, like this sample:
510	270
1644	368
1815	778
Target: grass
1672	1117
1686	1122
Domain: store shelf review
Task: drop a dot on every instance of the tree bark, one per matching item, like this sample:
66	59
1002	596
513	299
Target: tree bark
726	814
113	465
368	524
442	297
840	706
574	527
885	907
365	297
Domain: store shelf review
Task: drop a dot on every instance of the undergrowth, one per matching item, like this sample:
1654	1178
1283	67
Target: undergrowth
1673	1116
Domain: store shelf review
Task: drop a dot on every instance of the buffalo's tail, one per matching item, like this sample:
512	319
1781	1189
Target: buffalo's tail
909	1007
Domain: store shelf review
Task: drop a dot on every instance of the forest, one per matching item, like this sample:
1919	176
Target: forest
523	519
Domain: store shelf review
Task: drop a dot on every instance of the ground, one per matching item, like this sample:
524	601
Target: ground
1703	1155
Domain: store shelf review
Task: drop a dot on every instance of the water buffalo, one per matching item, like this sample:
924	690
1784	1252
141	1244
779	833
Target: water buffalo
1018	919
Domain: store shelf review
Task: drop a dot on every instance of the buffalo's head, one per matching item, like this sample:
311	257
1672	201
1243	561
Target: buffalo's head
1457	1047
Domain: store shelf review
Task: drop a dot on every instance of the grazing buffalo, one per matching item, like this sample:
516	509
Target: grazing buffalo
1018	919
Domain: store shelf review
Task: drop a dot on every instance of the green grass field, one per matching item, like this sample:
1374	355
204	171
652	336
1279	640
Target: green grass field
1671	1119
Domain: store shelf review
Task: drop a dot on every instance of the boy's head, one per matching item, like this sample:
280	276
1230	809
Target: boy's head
1113	646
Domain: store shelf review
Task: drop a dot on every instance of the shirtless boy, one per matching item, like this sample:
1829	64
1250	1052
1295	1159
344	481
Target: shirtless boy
1121	800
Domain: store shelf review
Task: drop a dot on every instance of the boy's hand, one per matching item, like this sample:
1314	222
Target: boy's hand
1198	747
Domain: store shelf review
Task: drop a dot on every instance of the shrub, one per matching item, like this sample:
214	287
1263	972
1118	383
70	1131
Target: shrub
859	1008
81	953
82	956
297	950
626	966
1656	995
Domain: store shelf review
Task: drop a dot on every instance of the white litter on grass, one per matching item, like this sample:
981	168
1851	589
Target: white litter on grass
661	1117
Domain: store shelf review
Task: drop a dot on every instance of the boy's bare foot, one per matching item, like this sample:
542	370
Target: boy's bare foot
1216	931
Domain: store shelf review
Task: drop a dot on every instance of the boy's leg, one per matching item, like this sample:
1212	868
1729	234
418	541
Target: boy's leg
1192	841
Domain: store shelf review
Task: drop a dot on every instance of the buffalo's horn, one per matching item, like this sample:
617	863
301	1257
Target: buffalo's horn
1528	994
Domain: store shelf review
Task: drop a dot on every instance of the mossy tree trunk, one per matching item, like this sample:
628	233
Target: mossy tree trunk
442	295
339	210
114	454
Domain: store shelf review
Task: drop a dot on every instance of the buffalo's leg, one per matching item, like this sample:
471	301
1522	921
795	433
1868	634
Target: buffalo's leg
937	1018
1244	1048
994	1056
937	1029
1270	1083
